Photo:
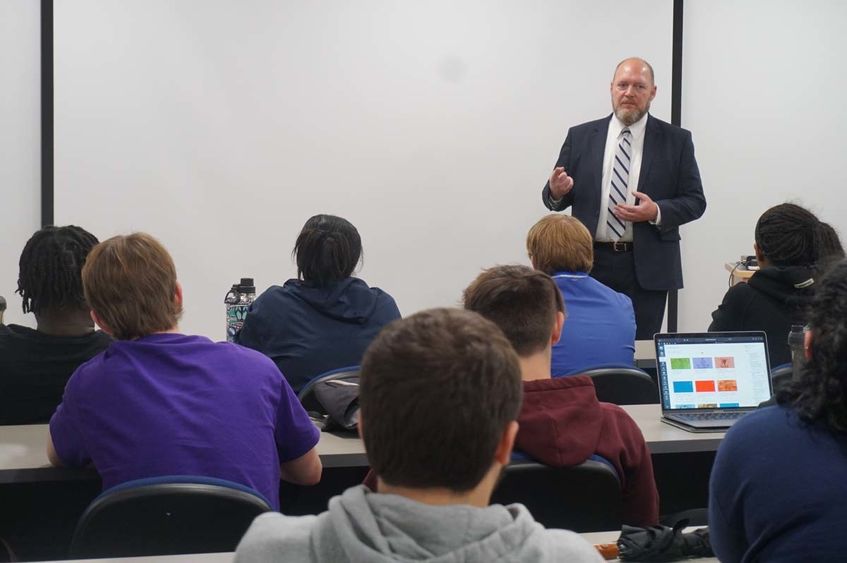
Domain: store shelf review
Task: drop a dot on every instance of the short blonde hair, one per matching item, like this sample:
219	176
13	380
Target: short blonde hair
560	243
130	283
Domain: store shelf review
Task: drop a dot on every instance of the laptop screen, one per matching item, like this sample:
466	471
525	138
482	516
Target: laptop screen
712	370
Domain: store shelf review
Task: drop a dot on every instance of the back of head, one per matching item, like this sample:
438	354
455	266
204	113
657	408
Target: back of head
787	235
438	390
327	250
819	391
130	283
829	246
560	243
50	266
523	302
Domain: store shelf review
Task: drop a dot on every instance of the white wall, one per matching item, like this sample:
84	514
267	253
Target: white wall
20	141
762	92
221	126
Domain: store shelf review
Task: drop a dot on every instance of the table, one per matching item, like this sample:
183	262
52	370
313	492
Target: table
645	354
593	538
740	274
23	456
612	537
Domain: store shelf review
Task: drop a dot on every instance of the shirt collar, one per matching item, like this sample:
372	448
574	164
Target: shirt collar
637	128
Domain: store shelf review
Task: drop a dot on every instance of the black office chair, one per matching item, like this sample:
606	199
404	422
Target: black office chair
623	385
583	498
311	394
781	376
166	516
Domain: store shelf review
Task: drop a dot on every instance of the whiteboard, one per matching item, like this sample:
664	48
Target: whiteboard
220	126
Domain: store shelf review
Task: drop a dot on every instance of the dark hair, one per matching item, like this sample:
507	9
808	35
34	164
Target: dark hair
327	250
819	391
523	302
130	283
50	266
438	390
829	246
787	235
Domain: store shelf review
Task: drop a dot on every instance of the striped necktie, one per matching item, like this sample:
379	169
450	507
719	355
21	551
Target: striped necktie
618	185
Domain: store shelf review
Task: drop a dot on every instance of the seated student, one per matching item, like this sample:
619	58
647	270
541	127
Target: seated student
35	364
561	421
778	294
830	250
777	490
440	391
601	321
324	319
159	403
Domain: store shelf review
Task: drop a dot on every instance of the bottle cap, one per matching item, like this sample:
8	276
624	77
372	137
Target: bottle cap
247	286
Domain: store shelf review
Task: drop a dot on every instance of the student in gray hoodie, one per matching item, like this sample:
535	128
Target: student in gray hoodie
440	395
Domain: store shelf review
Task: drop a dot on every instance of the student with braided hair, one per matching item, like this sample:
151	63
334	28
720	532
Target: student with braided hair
36	363
787	248
777	488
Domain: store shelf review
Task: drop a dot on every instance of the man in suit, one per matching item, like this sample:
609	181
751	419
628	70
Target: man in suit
632	180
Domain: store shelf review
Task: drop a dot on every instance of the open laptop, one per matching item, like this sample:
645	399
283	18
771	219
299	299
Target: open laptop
709	380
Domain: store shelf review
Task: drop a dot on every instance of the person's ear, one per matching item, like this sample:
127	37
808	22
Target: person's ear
103	326
807	345
503	453
178	295
558	328
758	252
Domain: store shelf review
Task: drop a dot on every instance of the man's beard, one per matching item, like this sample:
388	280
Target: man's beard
630	116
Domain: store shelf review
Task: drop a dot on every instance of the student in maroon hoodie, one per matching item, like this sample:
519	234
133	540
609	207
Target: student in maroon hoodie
561	421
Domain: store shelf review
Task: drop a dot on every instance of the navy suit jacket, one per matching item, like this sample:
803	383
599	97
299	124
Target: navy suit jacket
669	175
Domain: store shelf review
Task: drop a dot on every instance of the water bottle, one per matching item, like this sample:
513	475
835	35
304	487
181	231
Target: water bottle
237	301
796	343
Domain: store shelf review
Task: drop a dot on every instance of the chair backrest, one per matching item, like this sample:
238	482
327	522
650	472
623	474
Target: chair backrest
623	385
167	516
307	393
583	498
781	376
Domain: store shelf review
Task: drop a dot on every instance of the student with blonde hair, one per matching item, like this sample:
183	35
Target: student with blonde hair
601	322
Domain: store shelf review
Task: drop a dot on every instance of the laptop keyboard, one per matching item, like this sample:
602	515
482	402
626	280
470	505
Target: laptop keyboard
709	416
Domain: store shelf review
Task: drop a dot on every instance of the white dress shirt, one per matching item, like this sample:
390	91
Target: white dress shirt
612	140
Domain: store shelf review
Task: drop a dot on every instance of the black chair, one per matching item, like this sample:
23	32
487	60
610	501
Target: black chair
167	516
583	498
623	385
781	376
307	393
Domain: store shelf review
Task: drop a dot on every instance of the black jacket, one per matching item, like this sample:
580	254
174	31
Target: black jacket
772	300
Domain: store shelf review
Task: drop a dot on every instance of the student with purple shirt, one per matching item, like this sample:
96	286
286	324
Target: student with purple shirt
159	403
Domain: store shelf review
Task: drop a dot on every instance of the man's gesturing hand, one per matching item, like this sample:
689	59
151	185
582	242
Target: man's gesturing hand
560	183
647	210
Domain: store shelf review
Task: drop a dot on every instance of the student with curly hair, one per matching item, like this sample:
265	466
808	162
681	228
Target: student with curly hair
35	364
787	247
777	488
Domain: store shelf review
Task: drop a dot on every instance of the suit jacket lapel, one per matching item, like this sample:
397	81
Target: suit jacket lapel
596	151
651	142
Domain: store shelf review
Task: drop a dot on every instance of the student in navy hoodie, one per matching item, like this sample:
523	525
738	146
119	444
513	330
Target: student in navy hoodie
325	318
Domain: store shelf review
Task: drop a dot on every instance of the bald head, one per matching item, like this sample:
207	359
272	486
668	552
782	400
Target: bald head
639	65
